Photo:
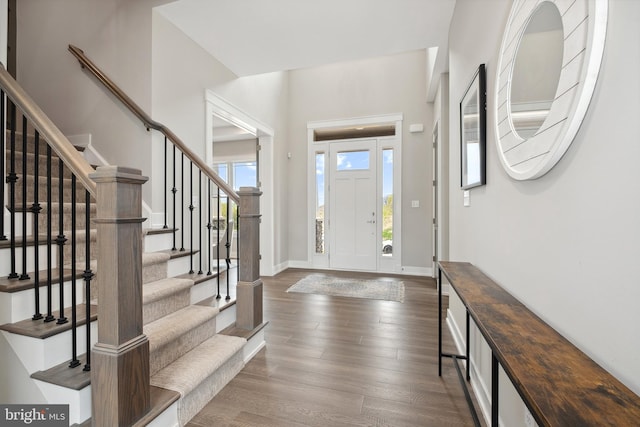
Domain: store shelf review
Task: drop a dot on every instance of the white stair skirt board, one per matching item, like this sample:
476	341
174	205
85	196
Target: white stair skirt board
168	418
41	354
254	345
79	401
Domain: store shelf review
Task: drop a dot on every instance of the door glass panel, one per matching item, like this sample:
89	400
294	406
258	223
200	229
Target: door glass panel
320	203
352	160
387	202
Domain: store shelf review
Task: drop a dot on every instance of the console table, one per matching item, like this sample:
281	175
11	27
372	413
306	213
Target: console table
559	384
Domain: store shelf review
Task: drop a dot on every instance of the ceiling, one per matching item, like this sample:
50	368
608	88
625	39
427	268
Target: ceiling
259	36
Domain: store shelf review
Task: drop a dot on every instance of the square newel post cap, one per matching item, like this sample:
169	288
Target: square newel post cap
249	191
118	174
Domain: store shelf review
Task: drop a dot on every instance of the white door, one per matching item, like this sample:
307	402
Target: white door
353	208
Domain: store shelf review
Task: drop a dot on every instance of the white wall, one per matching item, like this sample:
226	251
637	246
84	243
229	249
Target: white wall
182	71
163	71
567	244
116	35
4	25
377	86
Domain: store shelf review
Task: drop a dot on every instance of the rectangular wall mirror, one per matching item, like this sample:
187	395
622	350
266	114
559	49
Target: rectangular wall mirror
473	131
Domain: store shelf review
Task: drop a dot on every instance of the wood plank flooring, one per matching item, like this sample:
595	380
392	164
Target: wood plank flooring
336	361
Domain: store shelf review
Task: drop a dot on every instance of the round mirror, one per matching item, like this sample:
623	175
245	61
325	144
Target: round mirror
536	70
547	70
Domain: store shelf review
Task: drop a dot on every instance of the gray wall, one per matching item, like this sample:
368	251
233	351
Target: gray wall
392	84
566	244
116	35
163	71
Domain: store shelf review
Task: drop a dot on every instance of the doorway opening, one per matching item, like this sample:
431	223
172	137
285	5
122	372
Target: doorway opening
236	145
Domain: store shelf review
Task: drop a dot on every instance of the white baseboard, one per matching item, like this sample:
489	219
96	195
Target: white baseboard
280	268
416	271
298	264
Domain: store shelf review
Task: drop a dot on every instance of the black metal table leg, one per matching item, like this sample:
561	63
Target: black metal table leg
468	347
439	321
494	390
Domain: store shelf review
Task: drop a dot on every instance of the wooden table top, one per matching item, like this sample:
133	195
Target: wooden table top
559	383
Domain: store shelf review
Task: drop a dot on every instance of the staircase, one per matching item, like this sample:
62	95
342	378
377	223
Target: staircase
192	356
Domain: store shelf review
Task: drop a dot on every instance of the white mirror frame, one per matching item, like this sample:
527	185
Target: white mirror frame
584	24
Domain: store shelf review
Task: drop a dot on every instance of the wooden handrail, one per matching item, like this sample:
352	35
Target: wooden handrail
59	143
87	64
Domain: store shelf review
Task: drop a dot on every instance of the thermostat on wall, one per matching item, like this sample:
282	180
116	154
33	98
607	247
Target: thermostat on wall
416	128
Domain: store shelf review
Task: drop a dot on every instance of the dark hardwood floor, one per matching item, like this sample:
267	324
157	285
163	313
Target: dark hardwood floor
335	361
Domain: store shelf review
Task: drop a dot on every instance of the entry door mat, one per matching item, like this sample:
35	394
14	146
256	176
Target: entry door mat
387	290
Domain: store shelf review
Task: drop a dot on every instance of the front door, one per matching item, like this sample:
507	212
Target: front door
354	217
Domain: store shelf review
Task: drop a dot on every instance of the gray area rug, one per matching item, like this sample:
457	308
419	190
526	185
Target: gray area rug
387	290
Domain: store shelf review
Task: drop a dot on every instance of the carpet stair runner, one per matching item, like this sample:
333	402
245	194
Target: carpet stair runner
187	356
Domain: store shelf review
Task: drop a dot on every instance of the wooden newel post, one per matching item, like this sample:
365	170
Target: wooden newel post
249	289
120	360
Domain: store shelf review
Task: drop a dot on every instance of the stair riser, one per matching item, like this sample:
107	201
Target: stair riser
66	216
5	259
18	136
5	256
162	356
193	402
160	308
42	164
150	273
37	354
18	306
42	190
157	242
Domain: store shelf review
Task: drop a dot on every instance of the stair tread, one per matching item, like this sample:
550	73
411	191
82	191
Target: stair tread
152	231
178	253
42	238
198	277
185	373
74	378
41	329
170	327
163	288
149	258
15	285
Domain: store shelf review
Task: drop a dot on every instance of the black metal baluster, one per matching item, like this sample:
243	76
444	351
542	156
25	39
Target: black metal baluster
228	246
191	217
60	241
200	219
35	209
11	179
74	315
237	226
209	224
24	275
218	244
182	203
87	276
174	190
2	160
50	317
165	226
